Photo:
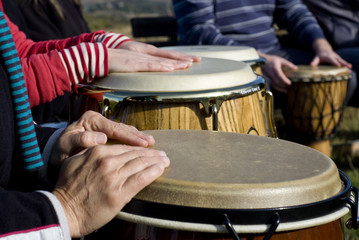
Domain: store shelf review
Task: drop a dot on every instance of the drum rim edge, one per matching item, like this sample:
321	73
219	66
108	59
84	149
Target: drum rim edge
252	217
254	228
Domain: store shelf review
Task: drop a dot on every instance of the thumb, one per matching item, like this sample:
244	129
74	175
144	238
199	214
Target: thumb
86	139
315	61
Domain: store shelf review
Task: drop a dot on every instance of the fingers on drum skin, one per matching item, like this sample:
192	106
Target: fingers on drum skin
132	171
140	160
140	180
127	159
130	135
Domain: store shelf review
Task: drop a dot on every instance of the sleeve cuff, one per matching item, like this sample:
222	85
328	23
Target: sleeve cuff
60	214
46	154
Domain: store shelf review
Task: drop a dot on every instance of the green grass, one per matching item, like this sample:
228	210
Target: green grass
346	160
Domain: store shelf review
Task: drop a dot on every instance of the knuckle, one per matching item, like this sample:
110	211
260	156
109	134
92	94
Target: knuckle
144	161
108	164
98	150
85	138
142	180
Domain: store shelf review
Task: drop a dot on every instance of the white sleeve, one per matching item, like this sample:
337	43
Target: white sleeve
61	216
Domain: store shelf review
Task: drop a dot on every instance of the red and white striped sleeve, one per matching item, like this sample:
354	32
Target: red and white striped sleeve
85	62
112	40
89	60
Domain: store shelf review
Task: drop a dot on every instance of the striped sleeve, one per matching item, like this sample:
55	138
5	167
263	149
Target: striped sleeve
299	21
85	62
111	40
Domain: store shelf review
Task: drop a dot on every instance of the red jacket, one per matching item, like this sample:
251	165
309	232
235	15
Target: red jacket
51	67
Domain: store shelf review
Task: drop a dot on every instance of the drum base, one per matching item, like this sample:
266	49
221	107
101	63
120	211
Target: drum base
322	146
119	230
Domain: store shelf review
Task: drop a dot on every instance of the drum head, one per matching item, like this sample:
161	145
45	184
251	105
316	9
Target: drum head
324	73
237	53
209	74
225	170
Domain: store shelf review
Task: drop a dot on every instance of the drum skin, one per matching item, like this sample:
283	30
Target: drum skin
220	170
245	54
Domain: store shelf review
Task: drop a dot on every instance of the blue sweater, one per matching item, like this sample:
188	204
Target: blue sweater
244	22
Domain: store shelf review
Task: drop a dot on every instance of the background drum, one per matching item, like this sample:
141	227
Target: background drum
215	94
244	54
220	184
315	103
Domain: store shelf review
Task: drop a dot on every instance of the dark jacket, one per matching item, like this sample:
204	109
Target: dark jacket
339	20
41	22
21	209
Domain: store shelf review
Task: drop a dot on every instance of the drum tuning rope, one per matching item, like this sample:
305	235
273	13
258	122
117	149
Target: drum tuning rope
230	228
269	234
352	223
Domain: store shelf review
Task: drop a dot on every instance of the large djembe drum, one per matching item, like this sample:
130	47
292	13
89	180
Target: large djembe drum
215	94
315	104
223	185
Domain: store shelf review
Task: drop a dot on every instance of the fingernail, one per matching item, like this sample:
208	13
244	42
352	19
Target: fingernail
168	68
166	160
101	138
162	153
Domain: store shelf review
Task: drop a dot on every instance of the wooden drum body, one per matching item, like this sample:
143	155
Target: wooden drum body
223	185
315	102
216	94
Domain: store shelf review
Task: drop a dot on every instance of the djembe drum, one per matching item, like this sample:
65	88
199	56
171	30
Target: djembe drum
315	103
223	185
244	54
215	94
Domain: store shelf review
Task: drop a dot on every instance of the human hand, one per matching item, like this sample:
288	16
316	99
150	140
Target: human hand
94	185
325	54
93	129
273	69
120	60
158	52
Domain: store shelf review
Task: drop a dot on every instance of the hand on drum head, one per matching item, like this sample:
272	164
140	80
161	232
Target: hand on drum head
154	51
325	54
94	185
273	69
145	59
93	129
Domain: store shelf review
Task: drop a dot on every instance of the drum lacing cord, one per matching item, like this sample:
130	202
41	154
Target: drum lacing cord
268	235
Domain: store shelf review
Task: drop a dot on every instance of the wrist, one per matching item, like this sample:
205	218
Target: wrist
322	45
70	214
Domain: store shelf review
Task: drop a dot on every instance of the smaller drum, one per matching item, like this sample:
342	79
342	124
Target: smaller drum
237	53
224	185
215	94
315	103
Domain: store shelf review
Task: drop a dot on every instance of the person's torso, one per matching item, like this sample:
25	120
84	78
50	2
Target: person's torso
249	22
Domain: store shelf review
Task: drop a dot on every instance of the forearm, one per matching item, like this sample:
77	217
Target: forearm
294	16
322	45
